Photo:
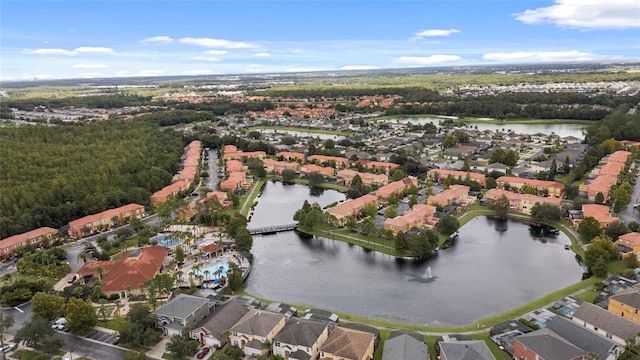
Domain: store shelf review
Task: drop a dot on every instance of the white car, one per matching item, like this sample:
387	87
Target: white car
58	327
7	347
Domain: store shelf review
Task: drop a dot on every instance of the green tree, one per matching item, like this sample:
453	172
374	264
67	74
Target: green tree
600	252
81	316
179	255
141	330
180	348
370	209
398	175
615	229
448	224
546	212
621	196
599	198
234	277
48	306
391	212
243	239
6	321
413	200
401	242
491	183
329	144
448	181
500	206
34	332
589	228
315	180
351	223
367	226
313	218
288	175
528	189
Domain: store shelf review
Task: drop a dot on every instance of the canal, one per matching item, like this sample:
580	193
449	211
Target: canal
493	267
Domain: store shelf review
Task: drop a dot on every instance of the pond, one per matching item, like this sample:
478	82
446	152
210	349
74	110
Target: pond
302	134
561	129
494	266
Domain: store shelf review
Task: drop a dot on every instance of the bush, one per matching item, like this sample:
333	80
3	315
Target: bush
114	297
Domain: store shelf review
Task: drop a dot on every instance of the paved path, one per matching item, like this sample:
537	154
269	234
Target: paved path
160	348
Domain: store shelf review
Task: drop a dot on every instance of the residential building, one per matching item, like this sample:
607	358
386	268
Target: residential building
34	237
300	339
440	175
91	224
236	180
544	344
162	195
254	329
585	339
544	187
606	175
522	203
340	162
405	346
126	275
241	155
608	324
211	331
629	245
375	166
626	303
234	166
278	167
289	156
346	177
312	168
465	349
194	208
420	216
454	194
182	311
352	207
599	212
348	344
395	188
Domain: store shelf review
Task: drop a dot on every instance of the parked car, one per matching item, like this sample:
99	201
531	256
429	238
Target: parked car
72	279
7	347
202	353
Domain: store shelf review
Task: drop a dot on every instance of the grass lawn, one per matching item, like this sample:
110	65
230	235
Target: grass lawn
588	295
251	197
617	267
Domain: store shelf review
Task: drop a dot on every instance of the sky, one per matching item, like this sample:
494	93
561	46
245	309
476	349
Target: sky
99	39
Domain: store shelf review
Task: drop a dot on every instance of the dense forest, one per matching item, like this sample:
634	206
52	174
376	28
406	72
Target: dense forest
51	175
619	125
98	101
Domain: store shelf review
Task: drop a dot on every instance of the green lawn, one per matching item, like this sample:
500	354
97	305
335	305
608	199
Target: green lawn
588	295
617	267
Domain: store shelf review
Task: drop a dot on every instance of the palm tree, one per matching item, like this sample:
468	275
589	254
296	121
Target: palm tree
83	256
178	275
118	306
102	310
206	274
100	271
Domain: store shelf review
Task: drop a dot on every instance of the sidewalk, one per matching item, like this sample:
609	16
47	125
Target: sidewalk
160	348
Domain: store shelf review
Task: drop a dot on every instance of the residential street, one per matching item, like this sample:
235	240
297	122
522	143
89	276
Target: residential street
630	214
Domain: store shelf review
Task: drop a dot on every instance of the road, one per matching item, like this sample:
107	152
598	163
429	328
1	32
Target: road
630	214
212	182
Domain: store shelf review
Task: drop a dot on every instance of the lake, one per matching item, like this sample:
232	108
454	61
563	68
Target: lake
301	133
560	129
493	267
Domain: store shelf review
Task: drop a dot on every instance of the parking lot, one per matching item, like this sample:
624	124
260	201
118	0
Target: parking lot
102	337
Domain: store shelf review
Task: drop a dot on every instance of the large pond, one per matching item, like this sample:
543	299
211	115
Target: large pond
302	134
561	129
493	267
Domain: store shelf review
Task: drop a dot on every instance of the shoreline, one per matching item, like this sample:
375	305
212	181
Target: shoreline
491	121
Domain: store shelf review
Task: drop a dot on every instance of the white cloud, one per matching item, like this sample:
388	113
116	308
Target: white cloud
205	58
359	67
96	50
216	52
428	60
436	32
157	39
50	52
80	50
90	66
540	56
139	73
262	54
586	14
217	43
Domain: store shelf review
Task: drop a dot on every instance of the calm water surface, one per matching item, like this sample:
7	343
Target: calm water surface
559	129
303	134
493	267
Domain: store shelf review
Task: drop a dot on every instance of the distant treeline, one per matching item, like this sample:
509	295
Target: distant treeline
225	107
51	175
98	101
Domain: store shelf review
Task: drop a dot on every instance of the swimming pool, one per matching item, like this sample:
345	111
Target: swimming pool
166	240
213	275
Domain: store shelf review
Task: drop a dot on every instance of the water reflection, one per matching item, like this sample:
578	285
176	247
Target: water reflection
494	266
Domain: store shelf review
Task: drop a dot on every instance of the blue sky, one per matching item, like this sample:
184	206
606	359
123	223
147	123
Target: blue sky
88	39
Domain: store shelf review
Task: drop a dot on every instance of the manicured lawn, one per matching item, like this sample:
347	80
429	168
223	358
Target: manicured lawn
588	295
251	196
617	267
